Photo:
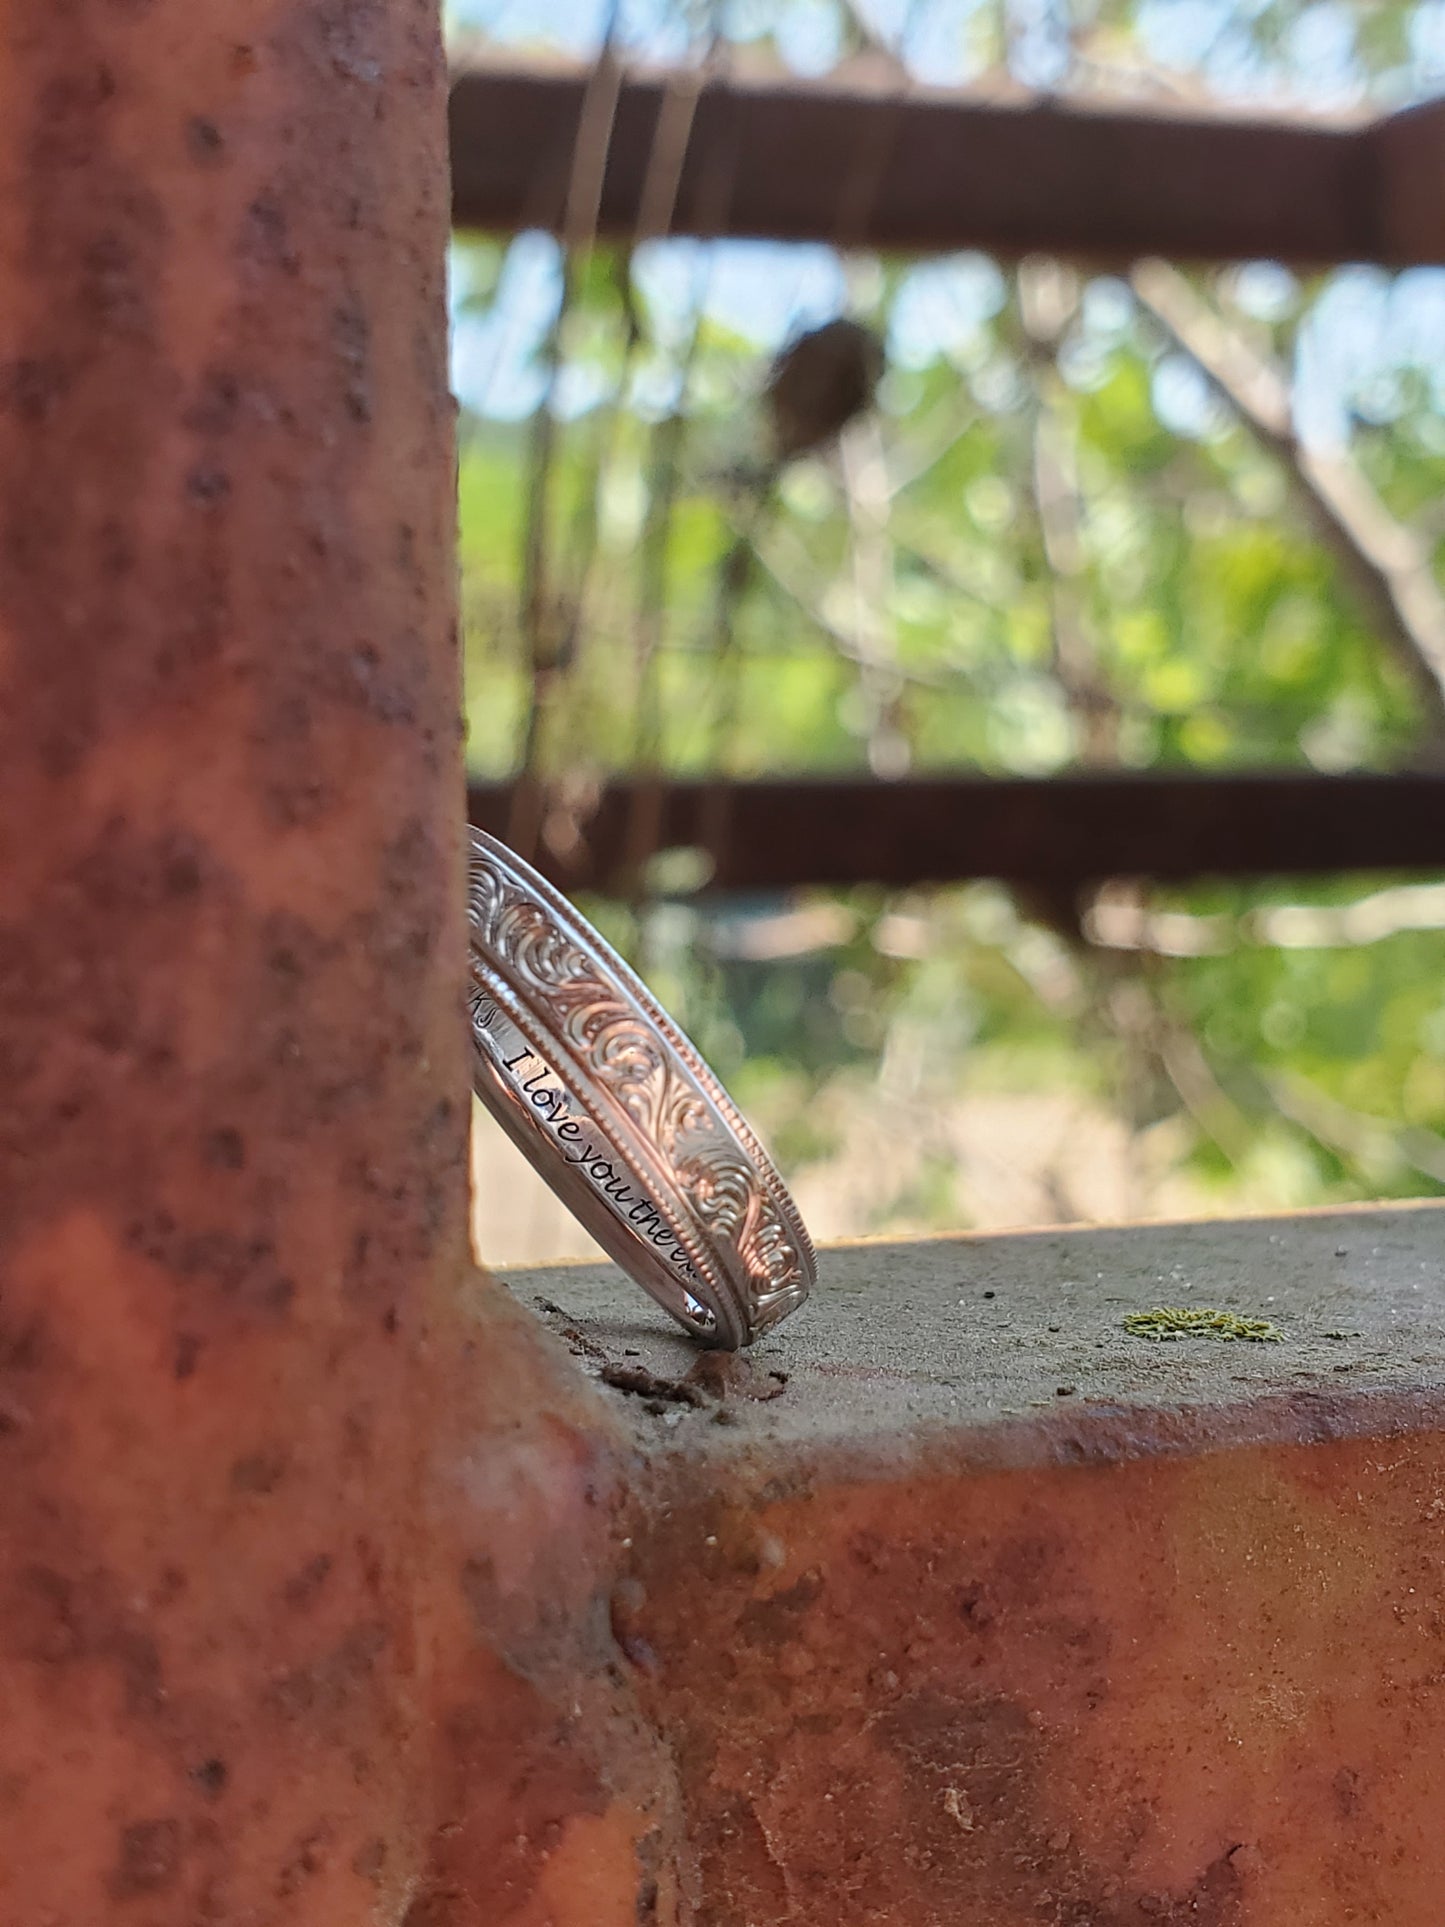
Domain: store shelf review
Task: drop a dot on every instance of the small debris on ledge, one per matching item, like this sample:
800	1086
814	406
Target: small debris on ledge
651	1385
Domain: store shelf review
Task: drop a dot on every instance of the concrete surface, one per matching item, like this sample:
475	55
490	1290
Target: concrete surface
960	1336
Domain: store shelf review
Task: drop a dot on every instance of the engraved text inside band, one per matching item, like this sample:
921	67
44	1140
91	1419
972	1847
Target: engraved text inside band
579	1143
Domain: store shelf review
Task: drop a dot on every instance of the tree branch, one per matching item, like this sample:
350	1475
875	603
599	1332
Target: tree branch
1386	563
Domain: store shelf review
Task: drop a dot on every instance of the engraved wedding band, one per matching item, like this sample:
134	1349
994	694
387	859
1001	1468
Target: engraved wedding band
613	1106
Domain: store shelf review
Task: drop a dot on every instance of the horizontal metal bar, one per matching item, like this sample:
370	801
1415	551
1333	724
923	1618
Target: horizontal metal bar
1059	831
929	171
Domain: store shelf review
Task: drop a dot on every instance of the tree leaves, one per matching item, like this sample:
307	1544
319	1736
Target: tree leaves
916	614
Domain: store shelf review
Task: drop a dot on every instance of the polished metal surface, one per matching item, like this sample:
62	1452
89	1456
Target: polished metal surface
613	1106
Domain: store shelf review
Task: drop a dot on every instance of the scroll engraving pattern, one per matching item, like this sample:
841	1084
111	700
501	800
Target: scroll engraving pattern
622	1052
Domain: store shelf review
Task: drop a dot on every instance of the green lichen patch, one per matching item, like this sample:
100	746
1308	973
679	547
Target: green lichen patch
1162	1323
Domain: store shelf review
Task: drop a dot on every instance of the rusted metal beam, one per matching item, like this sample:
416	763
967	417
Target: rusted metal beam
1411	150
1058	831
957	1602
797	161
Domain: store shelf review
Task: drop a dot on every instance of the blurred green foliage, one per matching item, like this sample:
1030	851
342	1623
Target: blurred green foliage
1051	541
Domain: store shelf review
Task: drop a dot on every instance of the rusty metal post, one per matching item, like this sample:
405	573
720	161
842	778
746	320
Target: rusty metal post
259	1638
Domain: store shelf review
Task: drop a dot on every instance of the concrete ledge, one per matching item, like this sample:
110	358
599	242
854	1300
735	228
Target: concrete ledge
946	1616
968	1344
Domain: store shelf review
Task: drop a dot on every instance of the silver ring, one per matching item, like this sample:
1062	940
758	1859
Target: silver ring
613	1106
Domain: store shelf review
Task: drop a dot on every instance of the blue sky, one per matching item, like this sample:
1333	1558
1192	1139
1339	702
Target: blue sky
941	42
1363	329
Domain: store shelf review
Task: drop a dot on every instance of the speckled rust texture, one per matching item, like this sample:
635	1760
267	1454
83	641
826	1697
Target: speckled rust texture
1198	1690
254	1648
554	1801
228	736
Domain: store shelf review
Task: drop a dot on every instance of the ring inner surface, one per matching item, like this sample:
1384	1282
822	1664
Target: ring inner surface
537	1092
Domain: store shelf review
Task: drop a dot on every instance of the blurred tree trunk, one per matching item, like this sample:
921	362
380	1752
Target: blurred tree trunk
251	1631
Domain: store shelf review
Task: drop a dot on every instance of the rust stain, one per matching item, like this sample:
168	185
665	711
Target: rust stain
1189	1689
